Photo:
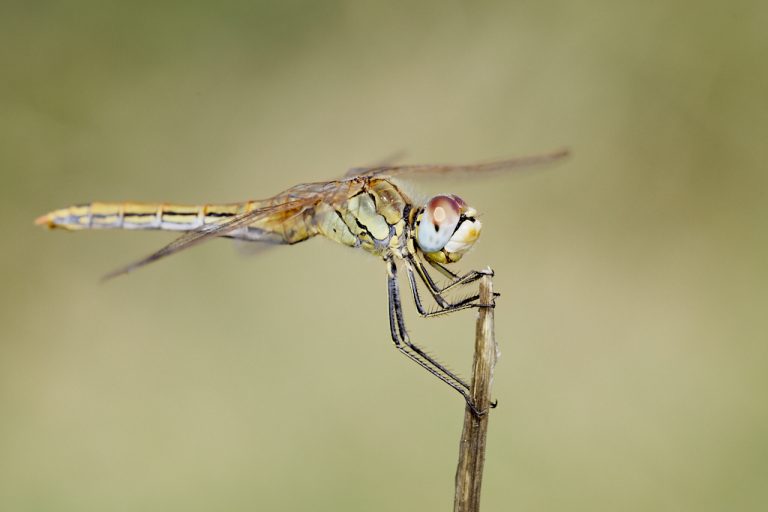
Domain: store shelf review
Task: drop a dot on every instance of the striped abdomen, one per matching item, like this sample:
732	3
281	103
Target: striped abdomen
173	217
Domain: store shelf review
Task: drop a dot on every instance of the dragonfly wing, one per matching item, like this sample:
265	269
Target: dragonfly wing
208	232
415	171
250	249
387	162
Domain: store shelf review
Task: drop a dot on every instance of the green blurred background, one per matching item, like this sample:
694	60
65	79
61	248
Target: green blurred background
632	322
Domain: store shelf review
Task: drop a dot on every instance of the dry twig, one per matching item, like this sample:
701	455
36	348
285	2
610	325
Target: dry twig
469	473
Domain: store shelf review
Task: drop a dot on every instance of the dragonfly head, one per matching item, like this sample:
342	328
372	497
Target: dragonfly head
446	228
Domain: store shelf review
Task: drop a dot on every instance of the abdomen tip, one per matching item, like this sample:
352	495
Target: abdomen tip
44	220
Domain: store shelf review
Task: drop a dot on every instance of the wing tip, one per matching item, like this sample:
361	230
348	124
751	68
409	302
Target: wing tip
552	156
116	273
108	277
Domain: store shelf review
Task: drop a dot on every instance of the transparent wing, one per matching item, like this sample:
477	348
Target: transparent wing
439	170
210	231
273	211
250	249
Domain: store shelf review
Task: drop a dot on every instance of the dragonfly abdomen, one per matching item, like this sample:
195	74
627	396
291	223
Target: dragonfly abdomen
172	217
135	216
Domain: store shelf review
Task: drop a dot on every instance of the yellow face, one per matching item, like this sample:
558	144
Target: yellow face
446	229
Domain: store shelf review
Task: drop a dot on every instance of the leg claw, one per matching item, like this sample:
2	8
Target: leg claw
478	413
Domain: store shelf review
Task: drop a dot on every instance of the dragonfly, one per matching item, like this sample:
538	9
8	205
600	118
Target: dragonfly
365	209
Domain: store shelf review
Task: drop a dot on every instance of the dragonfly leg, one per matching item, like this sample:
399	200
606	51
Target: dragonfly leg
456	279
412	351
413	262
445	306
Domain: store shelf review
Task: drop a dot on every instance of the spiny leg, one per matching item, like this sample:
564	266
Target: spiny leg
413	262
456	279
396	311
469	302
412	351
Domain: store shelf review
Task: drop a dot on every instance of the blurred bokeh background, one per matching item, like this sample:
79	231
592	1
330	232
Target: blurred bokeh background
632	323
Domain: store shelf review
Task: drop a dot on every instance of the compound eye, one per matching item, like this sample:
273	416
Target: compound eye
441	216
460	202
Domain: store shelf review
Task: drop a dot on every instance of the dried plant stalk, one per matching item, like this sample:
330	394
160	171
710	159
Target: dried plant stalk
469	473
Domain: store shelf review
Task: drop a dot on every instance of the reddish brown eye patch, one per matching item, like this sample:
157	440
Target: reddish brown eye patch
443	210
459	202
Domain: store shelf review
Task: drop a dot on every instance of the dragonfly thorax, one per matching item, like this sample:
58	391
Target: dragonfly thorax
446	228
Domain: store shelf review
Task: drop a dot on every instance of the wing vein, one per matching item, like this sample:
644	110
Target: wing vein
206	232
